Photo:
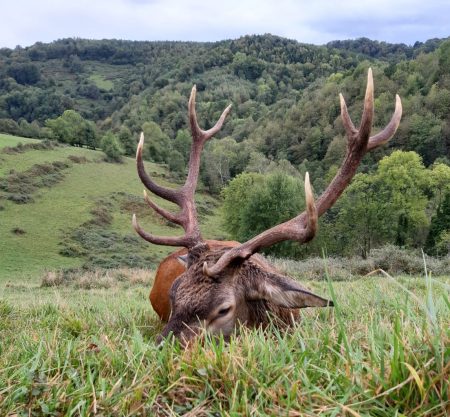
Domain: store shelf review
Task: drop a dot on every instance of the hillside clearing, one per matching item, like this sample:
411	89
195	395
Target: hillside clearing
41	229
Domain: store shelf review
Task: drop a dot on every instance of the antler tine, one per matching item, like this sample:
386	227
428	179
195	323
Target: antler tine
389	131
185	240
303	227
367	116
183	197
174	218
349	127
166	193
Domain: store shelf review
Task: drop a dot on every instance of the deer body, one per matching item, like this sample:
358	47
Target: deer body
225	284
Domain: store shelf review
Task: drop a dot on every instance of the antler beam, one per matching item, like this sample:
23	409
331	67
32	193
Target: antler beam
302	228
184	196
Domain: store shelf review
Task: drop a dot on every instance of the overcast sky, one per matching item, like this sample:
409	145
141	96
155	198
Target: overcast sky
24	22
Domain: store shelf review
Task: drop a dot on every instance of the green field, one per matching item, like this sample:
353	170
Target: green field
66	204
86	345
381	351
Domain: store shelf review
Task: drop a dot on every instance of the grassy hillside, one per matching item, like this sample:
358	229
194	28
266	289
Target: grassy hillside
81	343
65	207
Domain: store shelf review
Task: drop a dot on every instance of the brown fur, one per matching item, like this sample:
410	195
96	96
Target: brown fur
168	271
245	285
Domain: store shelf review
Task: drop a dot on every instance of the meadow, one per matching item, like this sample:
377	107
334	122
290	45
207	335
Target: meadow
79	340
87	347
48	197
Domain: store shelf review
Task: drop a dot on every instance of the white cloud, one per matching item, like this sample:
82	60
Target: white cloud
25	22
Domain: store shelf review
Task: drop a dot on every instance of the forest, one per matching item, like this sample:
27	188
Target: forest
285	121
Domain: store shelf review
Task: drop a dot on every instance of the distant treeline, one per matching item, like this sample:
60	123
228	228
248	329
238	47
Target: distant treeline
284	94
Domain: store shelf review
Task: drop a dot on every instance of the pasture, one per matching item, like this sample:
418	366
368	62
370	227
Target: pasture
50	197
87	347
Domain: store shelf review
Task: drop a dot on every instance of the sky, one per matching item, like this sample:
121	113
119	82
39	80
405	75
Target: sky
24	22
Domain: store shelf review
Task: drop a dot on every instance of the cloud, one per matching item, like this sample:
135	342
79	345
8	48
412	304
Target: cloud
25	22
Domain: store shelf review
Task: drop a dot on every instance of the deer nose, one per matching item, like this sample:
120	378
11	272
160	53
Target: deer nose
160	340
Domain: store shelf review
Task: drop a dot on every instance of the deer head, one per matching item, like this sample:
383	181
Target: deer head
224	287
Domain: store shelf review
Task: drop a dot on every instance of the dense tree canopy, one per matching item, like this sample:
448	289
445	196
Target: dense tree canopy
285	118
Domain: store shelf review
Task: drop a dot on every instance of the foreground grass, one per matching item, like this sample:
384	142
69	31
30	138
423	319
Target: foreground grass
384	350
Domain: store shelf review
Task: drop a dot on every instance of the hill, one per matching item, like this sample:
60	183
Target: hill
63	207
284	92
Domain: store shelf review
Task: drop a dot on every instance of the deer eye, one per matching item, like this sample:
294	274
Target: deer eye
224	311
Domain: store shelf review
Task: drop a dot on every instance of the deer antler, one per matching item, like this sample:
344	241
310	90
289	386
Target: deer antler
302	228
183	197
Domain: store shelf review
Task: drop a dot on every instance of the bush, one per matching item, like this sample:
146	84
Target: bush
20	198
392	259
78	159
97	278
111	147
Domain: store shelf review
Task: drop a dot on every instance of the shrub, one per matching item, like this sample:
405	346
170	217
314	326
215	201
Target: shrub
111	147
20	198
392	259
97	278
78	159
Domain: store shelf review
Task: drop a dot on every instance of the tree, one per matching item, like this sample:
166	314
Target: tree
73	129
439	233
235	198
359	224
176	162
127	141
24	73
111	147
254	203
223	160
387	206
157	146
403	180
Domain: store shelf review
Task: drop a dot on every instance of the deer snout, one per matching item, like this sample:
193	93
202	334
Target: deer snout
179	330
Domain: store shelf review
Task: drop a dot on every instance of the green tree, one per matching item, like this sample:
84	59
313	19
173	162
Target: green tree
176	162
360	221
387	206
127	141
73	129
254	203
157	144
402	180
439	229
182	143
111	147
222	160
235	199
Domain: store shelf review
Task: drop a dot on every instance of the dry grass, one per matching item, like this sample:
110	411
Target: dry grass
98	278
391	259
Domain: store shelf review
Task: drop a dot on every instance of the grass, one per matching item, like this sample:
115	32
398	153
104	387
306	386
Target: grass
9	140
64	207
70	350
101	82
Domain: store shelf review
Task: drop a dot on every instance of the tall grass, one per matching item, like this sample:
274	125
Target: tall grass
383	351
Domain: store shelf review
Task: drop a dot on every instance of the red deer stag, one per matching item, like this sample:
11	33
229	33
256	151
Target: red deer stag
226	284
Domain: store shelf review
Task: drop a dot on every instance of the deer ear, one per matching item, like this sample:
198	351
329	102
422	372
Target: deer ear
285	292
183	260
